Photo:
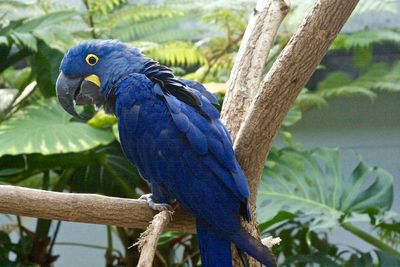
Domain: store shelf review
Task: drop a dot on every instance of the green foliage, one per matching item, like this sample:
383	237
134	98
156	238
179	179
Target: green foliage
304	247
378	77
20	249
110	174
25	32
45	128
375	78
311	185
103	6
44	65
176	54
365	38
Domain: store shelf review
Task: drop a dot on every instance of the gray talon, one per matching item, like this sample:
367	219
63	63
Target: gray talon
155	206
160	206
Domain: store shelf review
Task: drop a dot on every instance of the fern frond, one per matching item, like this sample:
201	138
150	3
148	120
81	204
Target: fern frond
174	35
133	14
149	30
307	100
365	38
104	6
390	81
177	54
378	77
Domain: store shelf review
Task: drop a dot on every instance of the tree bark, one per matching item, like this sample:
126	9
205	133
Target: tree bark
246	74
149	238
278	90
284	81
86	208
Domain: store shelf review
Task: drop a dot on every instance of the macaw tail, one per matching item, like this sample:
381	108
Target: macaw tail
216	251
253	247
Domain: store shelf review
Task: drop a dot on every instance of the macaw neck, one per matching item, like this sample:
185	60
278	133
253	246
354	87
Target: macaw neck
114	77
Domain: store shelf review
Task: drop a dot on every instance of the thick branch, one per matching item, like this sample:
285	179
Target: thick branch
149	238
250	61
276	94
86	208
284	81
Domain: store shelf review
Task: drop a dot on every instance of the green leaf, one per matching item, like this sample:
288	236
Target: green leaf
24	40
334	80
17	78
47	20
176	53
387	259
311	185
112	174
362	57
341	83
307	100
280	217
365	38
45	67
46	128
292	117
7	96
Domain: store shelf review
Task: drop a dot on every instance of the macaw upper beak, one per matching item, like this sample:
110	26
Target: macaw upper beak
78	91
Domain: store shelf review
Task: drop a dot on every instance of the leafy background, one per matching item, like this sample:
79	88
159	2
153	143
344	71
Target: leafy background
306	194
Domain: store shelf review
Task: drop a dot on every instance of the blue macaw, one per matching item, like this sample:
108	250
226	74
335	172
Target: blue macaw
170	130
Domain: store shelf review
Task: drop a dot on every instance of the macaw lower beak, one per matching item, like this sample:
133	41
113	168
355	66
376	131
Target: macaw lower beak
78	91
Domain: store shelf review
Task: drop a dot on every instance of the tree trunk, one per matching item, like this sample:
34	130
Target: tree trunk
279	89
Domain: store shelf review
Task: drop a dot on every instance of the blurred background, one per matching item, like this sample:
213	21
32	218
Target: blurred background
331	185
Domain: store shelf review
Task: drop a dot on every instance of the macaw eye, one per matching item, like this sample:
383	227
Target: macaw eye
92	59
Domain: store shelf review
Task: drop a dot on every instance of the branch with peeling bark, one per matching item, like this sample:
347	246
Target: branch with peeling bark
263	104
149	238
85	208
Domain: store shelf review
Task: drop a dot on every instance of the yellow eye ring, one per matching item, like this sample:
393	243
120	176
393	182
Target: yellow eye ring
92	59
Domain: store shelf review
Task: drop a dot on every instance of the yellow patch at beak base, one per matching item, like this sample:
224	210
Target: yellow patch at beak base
94	79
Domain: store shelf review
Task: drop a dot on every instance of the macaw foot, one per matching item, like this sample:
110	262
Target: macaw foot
155	206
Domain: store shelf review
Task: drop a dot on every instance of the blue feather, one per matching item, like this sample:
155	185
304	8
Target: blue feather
197	139
181	121
170	129
199	87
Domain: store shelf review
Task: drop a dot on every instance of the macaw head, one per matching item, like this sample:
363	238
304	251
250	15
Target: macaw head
91	70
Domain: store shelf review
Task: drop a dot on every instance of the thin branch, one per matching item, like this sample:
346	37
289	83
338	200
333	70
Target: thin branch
149	238
86	208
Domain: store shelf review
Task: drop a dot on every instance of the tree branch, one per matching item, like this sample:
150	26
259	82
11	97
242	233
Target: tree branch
270	102
149	238
284	81
250	61
86	208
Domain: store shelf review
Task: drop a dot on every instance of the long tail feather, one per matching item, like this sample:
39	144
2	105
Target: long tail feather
253	247
214	250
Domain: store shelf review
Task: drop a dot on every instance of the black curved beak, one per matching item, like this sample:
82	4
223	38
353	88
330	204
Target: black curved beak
77	91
